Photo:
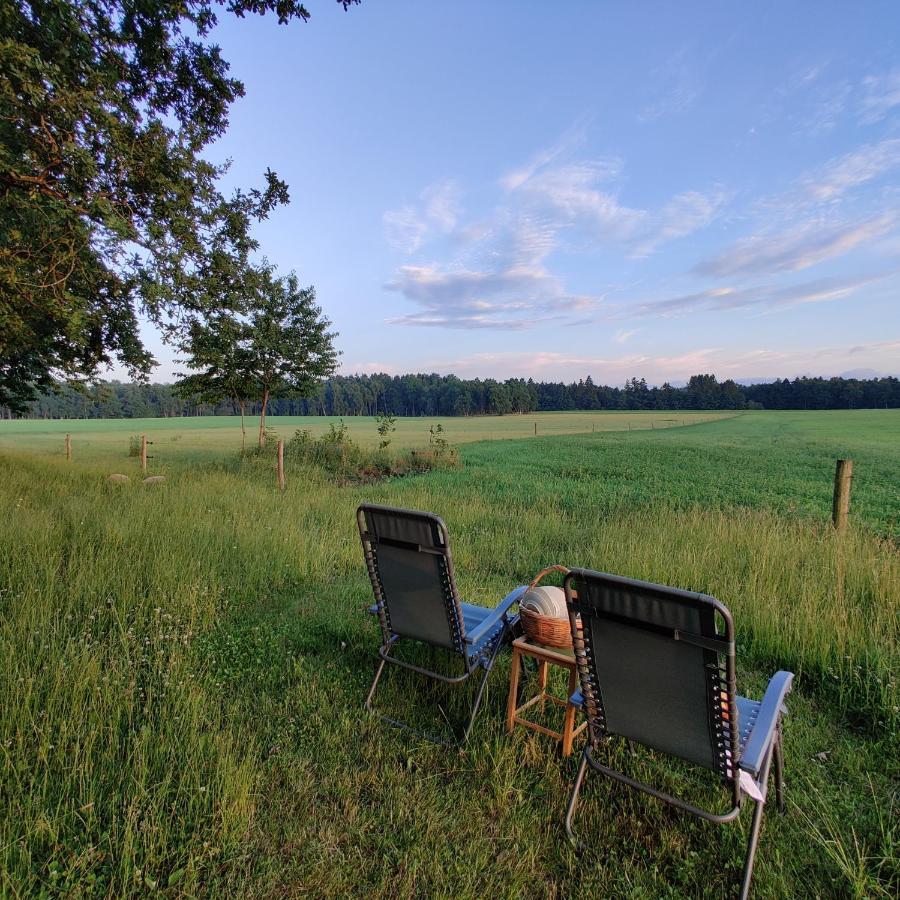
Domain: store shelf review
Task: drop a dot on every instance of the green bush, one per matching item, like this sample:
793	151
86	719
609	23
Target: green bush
347	462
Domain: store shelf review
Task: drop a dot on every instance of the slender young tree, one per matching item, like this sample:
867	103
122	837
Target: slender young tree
290	347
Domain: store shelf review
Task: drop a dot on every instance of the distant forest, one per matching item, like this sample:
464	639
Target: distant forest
447	395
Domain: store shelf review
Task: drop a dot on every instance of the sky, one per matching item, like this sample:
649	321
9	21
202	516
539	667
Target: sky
556	190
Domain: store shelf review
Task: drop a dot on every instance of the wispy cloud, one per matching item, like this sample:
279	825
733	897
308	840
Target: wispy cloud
436	211
518	176
582	198
838	176
881	95
498	274
510	299
679	86
621	337
828	108
499	269
681	216
764	296
798	248
571	195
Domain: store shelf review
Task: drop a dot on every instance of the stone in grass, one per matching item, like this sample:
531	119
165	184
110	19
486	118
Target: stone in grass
155	479
118	478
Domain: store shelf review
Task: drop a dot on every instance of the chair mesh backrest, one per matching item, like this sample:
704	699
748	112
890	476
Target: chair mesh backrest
409	562
654	668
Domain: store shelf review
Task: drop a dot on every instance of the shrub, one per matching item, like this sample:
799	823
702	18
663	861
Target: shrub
339	455
387	425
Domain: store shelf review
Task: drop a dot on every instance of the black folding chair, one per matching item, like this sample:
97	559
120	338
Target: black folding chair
656	666
408	557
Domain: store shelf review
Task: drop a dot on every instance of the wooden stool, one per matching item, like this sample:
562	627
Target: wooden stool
546	656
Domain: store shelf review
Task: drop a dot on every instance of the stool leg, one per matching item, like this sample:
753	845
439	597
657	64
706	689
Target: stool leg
542	679
569	723
515	668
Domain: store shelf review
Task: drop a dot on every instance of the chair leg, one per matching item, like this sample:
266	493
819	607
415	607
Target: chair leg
371	693
573	798
752	844
778	753
481	687
512	702
753	841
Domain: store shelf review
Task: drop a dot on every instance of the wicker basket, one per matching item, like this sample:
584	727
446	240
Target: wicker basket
545	629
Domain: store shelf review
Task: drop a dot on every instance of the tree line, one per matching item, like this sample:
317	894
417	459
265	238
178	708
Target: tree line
448	395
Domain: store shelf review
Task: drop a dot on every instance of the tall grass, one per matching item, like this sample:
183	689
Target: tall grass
181	668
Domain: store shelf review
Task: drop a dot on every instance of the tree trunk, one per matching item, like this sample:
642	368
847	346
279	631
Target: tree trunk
262	419
243	430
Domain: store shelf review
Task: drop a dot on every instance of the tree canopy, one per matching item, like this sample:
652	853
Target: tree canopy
107	206
277	342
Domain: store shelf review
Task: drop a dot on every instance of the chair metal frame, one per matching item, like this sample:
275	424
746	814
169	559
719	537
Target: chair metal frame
740	748
478	647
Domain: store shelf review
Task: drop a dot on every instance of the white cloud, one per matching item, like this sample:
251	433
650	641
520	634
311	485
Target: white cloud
881	94
763	296
498	277
621	337
570	196
841	175
511	298
683	215
436	212
404	228
442	205
828	109
517	177
798	248
579	197
499	270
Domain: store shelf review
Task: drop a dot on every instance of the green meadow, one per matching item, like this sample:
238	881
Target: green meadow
183	666
210	436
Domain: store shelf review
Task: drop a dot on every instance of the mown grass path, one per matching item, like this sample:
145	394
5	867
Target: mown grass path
182	672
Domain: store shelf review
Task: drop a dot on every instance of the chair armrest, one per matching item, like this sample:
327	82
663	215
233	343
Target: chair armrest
487	625
770	710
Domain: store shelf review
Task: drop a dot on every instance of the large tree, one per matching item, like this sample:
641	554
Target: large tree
107	206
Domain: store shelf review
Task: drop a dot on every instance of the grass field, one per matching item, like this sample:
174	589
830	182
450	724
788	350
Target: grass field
182	668
209	437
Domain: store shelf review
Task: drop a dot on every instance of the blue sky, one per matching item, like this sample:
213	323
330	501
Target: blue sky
557	190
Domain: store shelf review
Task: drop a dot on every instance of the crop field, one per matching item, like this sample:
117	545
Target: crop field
211	436
183	666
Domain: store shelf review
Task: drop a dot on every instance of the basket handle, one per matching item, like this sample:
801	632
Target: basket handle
547	571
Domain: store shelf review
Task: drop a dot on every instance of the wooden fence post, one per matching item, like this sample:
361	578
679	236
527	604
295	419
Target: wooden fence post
280	466
535	429
144	453
69	447
843	477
